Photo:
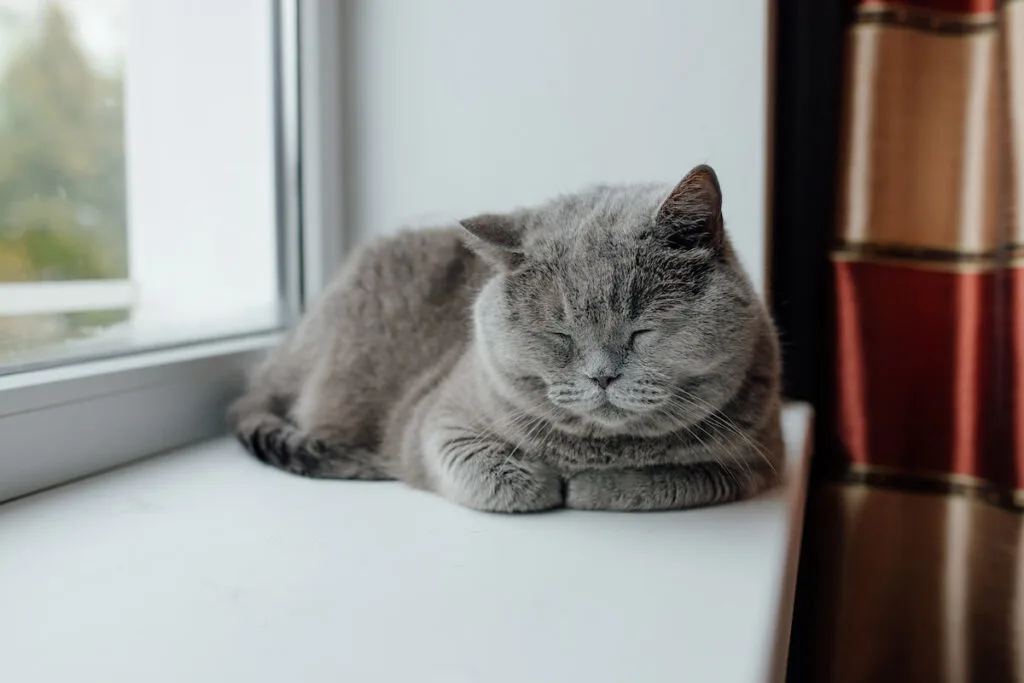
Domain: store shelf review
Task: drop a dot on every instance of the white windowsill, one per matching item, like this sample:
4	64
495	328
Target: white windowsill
204	565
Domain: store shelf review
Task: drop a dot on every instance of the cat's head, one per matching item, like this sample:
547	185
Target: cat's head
609	302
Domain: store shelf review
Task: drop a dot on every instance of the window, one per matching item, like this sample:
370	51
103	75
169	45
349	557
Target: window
161	217
138	176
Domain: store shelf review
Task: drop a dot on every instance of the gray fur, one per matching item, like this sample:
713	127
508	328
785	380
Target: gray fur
604	350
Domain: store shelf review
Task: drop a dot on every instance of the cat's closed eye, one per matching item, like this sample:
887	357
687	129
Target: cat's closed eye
561	340
637	336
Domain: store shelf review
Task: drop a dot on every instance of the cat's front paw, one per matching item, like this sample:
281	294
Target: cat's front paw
503	484
600	490
516	486
660	487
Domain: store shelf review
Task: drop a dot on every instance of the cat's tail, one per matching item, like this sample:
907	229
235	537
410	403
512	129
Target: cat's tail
261	426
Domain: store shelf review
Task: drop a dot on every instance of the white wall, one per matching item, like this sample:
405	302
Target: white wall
470	105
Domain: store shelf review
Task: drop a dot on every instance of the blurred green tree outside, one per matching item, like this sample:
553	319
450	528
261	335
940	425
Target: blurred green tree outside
63	209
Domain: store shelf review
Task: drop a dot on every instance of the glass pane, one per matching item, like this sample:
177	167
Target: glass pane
137	176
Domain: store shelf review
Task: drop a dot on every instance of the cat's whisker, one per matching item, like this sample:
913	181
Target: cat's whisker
697	420
531	430
715	417
705	424
526	431
712	452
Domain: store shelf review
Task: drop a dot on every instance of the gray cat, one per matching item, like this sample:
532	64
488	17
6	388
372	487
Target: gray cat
604	350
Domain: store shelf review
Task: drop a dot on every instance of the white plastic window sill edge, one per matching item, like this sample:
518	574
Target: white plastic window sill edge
63	423
182	561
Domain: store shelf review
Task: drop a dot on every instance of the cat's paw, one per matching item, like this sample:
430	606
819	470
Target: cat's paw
660	487
595	489
527	487
508	485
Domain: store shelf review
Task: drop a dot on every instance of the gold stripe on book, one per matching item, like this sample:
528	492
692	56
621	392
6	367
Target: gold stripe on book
933	482
924	19
924	259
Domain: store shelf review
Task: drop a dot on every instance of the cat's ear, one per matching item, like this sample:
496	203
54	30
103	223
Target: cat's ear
498	238
691	215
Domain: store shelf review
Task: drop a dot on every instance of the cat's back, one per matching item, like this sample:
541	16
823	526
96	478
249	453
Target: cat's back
403	291
419	272
396	310
401	301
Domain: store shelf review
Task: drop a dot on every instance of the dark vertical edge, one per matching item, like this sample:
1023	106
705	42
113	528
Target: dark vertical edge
809	50
771	105
1003	446
809	42
298	281
287	157
352	127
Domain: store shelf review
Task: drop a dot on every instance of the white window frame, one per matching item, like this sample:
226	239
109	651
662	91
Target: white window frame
72	420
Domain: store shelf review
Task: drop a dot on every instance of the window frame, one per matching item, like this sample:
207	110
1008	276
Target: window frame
72	420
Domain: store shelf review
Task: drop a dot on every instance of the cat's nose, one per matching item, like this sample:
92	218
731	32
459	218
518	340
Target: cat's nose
604	380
